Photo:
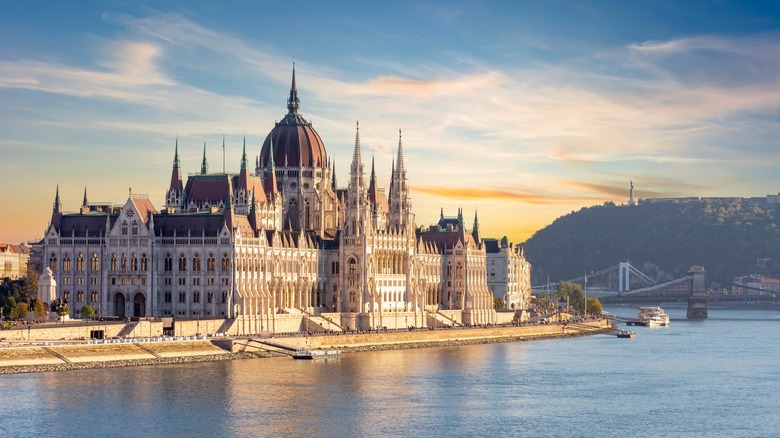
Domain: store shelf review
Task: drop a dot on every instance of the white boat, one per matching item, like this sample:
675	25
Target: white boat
315	354
652	316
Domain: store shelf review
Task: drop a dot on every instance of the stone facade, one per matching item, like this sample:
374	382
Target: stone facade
265	245
509	273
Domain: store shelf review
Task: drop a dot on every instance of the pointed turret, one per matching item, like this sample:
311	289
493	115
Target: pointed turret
460	218
243	156
176	188
293	103
333	176
84	201
357	159
57	203
204	165
475	231
269	185
373	193
400	205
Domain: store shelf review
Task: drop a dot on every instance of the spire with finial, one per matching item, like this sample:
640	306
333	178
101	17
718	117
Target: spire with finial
475	231
373	192
357	159
204	165
333	176
293	103
176	187
243	156
84	201
270	174
460	218
476	221
401	170
57	203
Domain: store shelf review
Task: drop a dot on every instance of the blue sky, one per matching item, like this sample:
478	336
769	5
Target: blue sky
522	110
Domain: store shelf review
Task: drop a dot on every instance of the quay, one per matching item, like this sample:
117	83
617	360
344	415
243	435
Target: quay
20	356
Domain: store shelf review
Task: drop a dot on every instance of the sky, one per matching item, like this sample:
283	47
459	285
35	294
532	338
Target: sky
521	111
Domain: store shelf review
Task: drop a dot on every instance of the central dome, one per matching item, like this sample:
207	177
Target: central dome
295	142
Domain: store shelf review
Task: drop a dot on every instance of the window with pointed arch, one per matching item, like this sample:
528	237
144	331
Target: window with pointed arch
93	296
196	263
182	263
53	262
124	228
168	263
352	297
224	297
80	262
352	266
80	296
211	263
144	262
66	262
210	297
94	263
225	263
134	228
66	296
133	262
196	297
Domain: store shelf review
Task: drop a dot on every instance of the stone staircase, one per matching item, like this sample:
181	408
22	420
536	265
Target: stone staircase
324	323
127	329
440	320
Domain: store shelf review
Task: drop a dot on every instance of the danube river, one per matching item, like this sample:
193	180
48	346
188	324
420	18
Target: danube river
719	377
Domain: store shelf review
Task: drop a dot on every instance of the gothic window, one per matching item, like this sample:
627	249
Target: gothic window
211	263
66	263
124	228
182	297
167	296
306	212
352	266
225	263
94	297
196	297
293	213
80	262
133	262
168	263
196	263
210	297
352	297
123	262
94	264
144	262
80	296
182	263
113	262
224	297
66	296
134	229
53	262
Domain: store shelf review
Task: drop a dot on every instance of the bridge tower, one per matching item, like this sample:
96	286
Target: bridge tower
697	298
624	270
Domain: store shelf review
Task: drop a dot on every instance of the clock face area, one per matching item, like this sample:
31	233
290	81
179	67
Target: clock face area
129	213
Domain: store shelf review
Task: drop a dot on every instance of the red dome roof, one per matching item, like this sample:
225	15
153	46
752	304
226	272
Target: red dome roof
295	142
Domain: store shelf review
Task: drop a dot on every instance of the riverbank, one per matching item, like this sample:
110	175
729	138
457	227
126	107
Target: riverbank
46	358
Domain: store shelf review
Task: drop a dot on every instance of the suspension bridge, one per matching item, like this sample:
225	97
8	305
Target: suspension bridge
624	283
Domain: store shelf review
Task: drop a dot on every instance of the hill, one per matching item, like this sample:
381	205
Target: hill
662	240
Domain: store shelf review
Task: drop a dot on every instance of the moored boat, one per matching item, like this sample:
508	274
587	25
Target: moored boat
652	316
626	334
316	354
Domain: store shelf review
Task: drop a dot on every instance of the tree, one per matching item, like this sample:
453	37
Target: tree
11	309
572	293
498	303
39	310
63	310
24	310
87	311
594	306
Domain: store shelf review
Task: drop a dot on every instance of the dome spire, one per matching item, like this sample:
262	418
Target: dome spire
293	103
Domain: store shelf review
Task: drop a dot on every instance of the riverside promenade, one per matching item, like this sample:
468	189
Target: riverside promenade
19	357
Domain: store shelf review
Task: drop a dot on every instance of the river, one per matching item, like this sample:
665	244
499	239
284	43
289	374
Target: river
719	377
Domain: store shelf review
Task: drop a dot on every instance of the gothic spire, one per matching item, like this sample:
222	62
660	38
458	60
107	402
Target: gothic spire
401	170
271	165
293	103
57	203
373	174
176	162
476	221
84	201
204	166
243	156
333	176
357	159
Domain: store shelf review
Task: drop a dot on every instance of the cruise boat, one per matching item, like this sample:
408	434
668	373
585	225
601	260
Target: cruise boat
316	354
652	316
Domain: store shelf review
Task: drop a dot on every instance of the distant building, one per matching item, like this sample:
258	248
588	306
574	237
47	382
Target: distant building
755	281
509	273
13	261
752	201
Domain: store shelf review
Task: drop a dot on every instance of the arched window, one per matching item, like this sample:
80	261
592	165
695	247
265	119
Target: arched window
133	262
196	263
211	263
113	262
80	262
196	297
144	262
94	264
224	297
66	263
352	266
94	297
53	262
168	263
182	263
124	228
134	229
225	263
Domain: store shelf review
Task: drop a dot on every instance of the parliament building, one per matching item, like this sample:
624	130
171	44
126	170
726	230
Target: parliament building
277	245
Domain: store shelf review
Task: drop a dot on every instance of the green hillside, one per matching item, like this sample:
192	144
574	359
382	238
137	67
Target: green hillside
661	239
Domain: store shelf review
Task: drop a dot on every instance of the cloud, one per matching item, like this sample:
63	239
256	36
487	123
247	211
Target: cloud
527	196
